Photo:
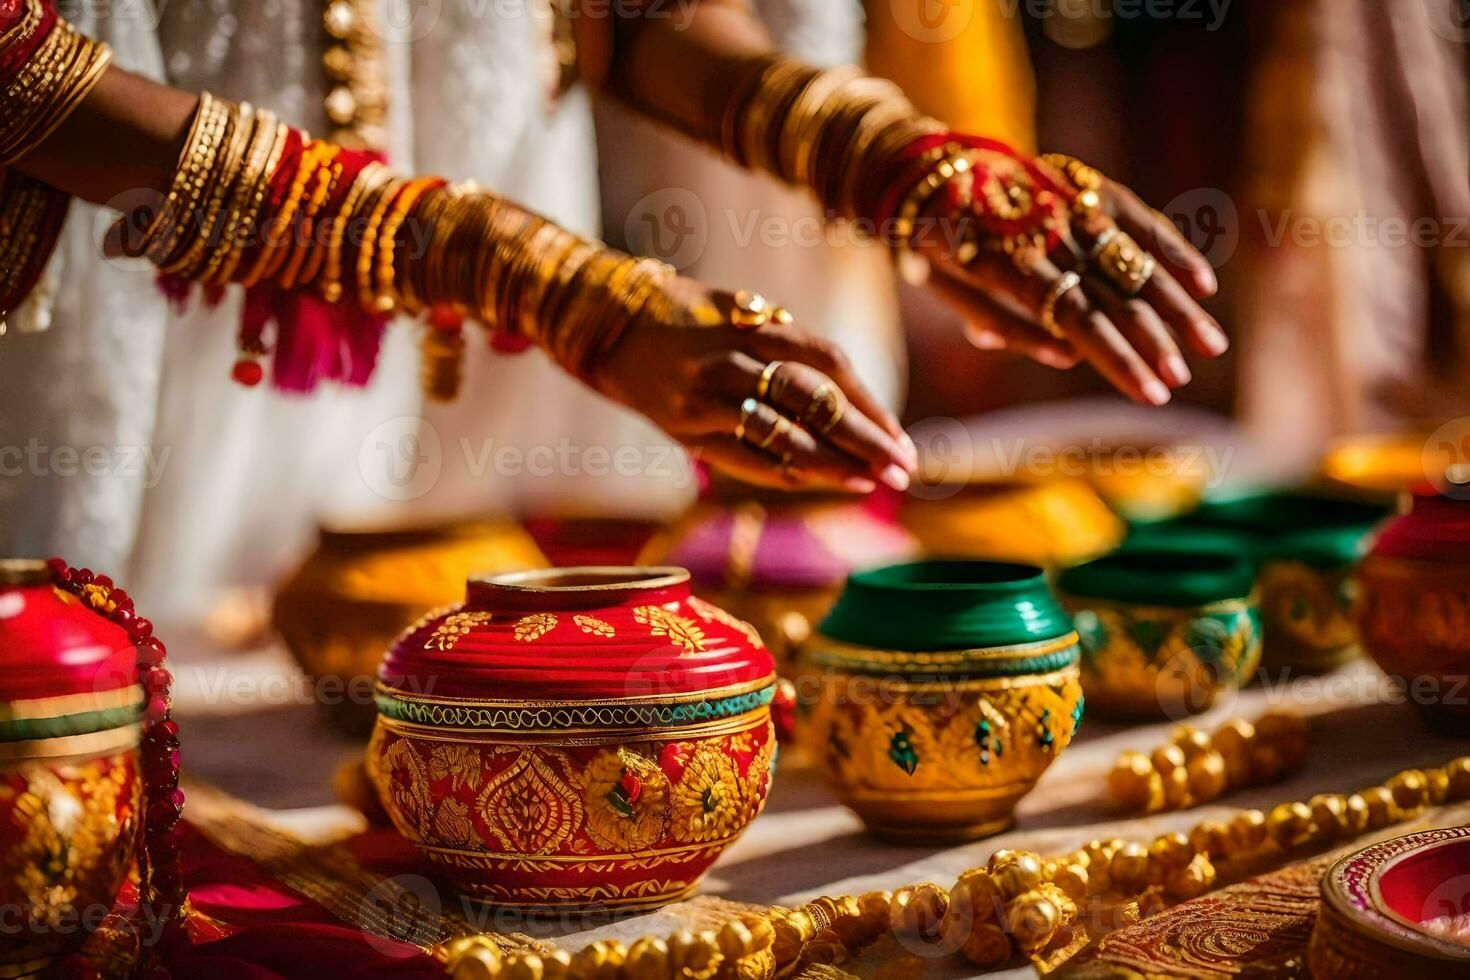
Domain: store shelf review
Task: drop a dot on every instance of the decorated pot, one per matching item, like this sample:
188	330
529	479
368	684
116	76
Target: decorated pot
360	589
944	689
70	792
1306	546
1164	633
778	561
575	738
1414	604
1051	523
1398	908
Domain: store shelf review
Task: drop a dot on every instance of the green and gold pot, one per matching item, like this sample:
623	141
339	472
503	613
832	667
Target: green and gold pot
1164	633
1306	546
941	691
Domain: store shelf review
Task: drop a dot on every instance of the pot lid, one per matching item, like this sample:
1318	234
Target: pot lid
574	635
52	644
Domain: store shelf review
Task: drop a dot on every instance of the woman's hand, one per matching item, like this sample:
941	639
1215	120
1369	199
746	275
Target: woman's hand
1134	341
760	399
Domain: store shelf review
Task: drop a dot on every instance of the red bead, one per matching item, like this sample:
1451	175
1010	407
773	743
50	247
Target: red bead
140	629
121	600
157	708
162	816
157	680
167	879
103	581
60	570
152	651
82	576
247	372
164	729
177	799
124	617
445	317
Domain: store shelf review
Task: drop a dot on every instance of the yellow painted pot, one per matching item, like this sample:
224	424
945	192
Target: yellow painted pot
1052	523
352	597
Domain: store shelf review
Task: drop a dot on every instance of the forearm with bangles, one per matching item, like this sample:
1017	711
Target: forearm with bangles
257	203
862	149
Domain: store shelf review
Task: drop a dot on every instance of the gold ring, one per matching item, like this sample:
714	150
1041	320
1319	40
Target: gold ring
750	309
1125	263
747	408
1102	242
782	316
824	409
782	426
763	387
1047	315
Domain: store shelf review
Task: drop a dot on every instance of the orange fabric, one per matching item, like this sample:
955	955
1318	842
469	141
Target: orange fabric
962	61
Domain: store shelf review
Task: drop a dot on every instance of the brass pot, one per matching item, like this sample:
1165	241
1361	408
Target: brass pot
359	589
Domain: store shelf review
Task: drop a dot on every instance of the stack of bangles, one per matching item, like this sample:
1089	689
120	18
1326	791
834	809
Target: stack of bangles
870	156
46	70
254	201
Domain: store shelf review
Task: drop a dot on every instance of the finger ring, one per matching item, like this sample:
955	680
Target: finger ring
747	408
1048	312
763	387
824	409
782	426
750	309
782	316
1102	241
1125	263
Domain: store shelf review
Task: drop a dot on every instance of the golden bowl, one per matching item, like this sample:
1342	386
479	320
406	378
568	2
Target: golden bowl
361	588
1052	523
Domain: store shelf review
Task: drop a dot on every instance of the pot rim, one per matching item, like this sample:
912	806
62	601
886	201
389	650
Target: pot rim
16	572
616	578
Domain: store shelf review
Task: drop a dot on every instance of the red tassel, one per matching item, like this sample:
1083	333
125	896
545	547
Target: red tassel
176	289
318	341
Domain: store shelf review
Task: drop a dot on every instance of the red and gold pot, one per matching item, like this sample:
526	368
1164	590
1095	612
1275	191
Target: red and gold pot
575	738
70	789
1413	604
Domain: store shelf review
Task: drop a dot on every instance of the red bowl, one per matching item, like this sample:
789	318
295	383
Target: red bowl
1376	904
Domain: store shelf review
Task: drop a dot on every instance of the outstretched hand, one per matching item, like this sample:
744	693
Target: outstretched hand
745	389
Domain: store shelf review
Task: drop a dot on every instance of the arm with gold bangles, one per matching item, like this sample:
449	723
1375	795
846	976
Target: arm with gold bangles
1042	255
330	243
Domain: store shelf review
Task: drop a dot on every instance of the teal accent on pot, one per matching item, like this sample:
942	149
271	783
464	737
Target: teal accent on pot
901	751
1138	576
1320	531
947	605
64	726
987	742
